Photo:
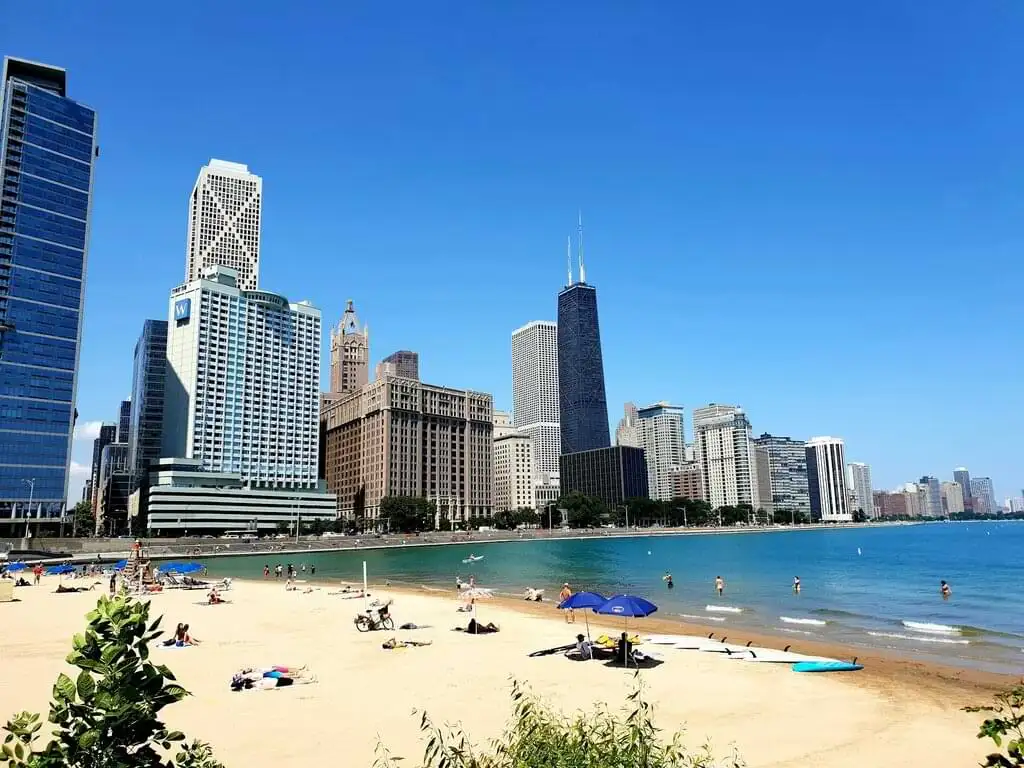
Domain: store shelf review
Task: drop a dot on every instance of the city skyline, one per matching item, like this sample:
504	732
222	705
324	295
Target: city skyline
665	216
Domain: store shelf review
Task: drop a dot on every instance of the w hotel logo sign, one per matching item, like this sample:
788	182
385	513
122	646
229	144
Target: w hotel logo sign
182	310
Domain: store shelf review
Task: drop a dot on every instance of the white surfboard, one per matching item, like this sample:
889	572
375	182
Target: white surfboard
773	656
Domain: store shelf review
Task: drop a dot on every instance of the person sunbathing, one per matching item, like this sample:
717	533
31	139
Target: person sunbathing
214	597
476	628
61	589
271	677
393	643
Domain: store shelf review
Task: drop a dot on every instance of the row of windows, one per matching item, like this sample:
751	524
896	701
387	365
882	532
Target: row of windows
35	318
50	226
62	110
49	288
47	256
57	138
49	483
35	417
39	162
19	448
38	350
53	197
19	381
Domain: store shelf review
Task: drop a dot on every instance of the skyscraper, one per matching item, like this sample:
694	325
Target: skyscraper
224	223
952	498
787	474
149	376
628	430
535	393
582	405
47	156
858	477
350	353
403	363
983	495
661	437
933	496
963	477
124	420
107	435
826	478
243	382
513	471
724	449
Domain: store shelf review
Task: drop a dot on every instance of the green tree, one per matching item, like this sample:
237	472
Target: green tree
860	516
83	523
107	715
1006	722
407	514
526	516
583	511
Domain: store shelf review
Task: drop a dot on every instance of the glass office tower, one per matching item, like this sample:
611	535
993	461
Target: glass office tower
47	154
147	410
582	406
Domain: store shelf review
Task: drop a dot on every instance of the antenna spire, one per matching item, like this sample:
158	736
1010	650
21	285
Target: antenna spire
568	256
579	230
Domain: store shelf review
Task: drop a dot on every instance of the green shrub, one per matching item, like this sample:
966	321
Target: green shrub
107	716
1007	721
539	737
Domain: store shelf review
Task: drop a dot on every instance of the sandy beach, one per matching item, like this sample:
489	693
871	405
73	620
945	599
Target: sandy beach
894	713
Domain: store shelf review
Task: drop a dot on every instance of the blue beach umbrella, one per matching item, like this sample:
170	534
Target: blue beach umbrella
181	568
580	602
60	570
15	567
626	606
120	564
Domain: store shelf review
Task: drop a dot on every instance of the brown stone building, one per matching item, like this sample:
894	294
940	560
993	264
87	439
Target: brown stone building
350	353
686	481
400	437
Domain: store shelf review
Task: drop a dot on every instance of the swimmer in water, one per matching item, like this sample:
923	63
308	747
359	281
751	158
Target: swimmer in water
796	585
720	585
667	578
945	590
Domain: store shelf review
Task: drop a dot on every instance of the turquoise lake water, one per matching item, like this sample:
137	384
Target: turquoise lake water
872	587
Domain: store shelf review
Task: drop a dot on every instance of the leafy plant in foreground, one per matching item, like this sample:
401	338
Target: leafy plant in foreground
1007	721
539	737
107	716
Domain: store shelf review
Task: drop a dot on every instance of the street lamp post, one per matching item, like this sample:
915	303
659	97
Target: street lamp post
31	496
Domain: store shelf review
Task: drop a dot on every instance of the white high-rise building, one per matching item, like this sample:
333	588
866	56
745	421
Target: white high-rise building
243	382
858	478
724	448
826	480
224	222
502	424
952	498
628	430
513	472
660	428
983	495
535	394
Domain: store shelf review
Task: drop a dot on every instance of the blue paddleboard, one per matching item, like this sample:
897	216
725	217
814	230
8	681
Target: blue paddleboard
826	666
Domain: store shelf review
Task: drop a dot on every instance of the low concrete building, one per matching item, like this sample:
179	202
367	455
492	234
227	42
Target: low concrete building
183	499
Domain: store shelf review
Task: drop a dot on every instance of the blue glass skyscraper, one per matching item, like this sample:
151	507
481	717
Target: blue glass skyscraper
582	405
47	154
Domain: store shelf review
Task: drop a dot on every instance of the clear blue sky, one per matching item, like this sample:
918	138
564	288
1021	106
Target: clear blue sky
811	209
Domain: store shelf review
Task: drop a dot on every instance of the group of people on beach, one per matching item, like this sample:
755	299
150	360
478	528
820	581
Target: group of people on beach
289	569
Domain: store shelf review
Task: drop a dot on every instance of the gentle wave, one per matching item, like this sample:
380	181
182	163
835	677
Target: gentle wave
702	618
722	609
934	629
792	631
920	638
812	622
839	614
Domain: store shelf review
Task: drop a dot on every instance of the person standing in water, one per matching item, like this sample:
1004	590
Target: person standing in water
667	578
796	585
565	594
720	585
945	590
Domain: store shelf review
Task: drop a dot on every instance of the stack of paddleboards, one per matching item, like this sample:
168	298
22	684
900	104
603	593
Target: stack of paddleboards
801	662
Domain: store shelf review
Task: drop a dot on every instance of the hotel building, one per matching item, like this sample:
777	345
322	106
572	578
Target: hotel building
350	353
224	223
401	437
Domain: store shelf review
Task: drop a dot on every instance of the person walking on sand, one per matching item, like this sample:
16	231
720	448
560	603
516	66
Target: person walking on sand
945	590
565	594
720	585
